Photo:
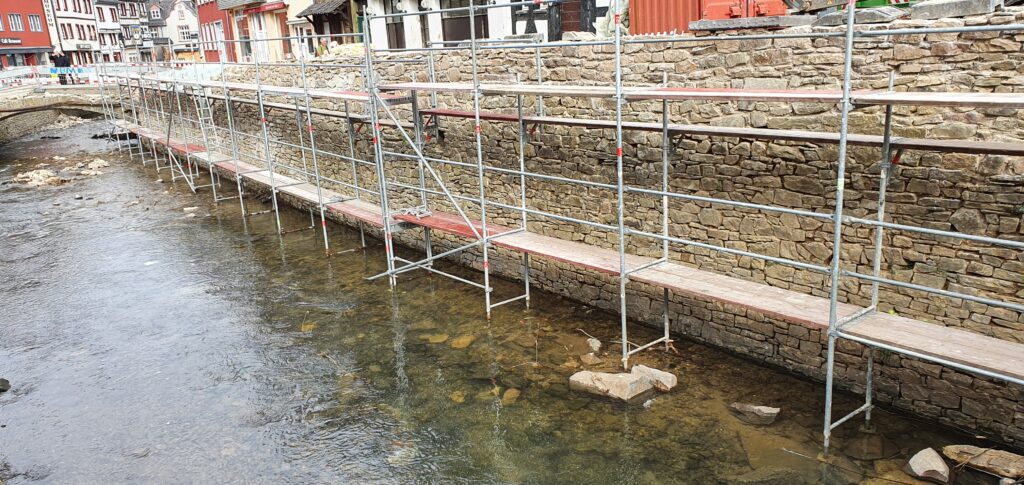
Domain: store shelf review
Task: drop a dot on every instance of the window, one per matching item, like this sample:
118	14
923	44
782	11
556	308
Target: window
1	24
35	23
154	13
181	12
14	20
92	32
99	15
81	32
113	14
183	34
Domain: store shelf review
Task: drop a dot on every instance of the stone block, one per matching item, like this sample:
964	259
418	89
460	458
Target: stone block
938	9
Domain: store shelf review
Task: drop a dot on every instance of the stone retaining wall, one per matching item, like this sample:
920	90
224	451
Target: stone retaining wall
974	194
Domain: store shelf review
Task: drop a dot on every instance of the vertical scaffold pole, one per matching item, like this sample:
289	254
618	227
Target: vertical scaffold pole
312	148
371	92
266	143
479	158
666	145
229	114
418	136
214	177
619	182
350	130
883	184
876	266
522	189
837	223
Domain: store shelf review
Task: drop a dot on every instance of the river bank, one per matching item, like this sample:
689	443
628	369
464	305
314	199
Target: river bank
152	335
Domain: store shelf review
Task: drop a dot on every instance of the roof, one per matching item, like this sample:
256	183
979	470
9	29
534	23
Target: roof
228	4
322	7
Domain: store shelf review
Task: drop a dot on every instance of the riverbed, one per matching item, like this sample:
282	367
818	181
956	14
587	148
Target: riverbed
151	335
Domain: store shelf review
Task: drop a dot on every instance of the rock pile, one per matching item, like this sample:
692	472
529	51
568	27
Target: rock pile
43	176
622	385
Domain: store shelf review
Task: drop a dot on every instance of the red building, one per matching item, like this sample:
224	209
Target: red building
214	29
24	38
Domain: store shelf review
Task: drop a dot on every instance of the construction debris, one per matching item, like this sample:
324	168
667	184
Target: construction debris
663	381
39	177
927	464
996	462
620	386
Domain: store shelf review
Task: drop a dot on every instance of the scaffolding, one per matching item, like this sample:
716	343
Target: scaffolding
435	205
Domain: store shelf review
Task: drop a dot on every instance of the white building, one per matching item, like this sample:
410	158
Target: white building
137	47
111	49
182	28
73	30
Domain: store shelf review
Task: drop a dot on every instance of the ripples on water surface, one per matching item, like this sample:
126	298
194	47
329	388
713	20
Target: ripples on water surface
146	346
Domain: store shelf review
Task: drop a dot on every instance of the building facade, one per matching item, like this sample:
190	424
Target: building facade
333	17
137	43
24	34
154	27
72	30
259	26
301	29
183	29
111	49
214	30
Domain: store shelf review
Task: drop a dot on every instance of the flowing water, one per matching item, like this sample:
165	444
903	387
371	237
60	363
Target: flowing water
145	343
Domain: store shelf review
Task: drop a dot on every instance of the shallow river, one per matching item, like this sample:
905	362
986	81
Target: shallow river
145	343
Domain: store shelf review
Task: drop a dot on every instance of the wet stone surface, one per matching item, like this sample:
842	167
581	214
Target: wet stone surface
147	343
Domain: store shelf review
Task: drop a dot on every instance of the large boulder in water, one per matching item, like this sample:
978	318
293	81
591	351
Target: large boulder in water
620	386
754	414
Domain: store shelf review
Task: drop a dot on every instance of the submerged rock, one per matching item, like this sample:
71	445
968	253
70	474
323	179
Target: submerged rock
754	414
869	447
927	464
488	394
435	338
590	359
458	397
510	397
997	462
5	385
664	381
620	386
463	341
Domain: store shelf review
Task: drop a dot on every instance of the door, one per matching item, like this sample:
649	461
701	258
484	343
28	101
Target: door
455	25
259	35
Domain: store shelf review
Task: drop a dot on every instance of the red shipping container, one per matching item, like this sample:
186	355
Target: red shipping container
662	16
666	16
